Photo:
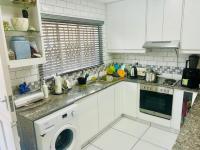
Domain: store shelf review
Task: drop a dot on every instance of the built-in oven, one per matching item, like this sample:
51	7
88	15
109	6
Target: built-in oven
156	101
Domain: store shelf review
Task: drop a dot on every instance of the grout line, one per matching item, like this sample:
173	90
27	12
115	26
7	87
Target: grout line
154	144
148	141
96	146
124	132
138	138
98	135
135	144
145	132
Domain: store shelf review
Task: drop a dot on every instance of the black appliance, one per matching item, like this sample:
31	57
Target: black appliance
133	74
193	61
156	101
191	75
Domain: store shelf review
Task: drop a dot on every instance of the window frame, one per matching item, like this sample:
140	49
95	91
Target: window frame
65	19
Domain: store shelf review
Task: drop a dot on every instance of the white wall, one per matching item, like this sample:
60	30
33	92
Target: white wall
87	9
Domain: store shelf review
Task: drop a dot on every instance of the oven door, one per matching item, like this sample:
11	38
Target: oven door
156	104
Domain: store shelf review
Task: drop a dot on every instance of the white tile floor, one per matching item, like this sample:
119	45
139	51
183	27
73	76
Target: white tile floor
132	135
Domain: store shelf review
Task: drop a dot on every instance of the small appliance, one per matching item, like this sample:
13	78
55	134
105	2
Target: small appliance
133	72
191	75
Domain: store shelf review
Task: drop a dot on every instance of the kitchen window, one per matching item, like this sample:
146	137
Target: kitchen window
70	44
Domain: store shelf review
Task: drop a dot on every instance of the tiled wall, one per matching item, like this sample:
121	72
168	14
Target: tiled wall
157	58
88	9
27	74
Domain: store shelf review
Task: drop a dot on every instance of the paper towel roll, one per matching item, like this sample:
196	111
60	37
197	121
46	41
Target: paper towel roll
29	98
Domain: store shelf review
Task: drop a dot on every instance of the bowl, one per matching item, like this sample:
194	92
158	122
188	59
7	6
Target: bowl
82	81
20	24
109	78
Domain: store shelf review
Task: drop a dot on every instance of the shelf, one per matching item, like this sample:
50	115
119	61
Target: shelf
16	4
25	62
16	31
9	33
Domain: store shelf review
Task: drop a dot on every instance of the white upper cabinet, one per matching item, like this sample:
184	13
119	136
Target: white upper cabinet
154	20
191	27
172	19
164	20
126	25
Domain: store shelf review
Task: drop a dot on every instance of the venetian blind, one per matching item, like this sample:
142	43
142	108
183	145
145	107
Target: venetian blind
70	46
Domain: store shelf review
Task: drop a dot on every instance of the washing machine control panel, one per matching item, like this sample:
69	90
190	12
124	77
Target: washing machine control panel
49	122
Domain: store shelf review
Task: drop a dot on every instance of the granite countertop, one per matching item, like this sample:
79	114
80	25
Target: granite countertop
53	103
45	107
189	136
188	139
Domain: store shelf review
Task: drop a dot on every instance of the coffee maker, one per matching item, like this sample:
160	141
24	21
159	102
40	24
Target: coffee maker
191	75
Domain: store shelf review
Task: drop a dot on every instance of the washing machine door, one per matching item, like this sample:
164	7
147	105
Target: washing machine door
65	138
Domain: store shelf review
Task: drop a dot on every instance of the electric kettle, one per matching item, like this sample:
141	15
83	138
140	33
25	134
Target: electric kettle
133	72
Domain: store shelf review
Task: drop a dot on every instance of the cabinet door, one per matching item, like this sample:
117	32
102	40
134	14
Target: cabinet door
130	99
177	109
119	93
126	24
172	20
191	26
155	20
88	117
106	103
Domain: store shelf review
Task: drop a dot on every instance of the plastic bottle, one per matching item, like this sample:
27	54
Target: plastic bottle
45	90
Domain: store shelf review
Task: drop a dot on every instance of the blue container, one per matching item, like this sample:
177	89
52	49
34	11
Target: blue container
21	47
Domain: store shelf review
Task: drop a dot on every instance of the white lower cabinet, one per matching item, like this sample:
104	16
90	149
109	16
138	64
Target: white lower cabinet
98	110
119	93
177	109
131	99
88	117
106	103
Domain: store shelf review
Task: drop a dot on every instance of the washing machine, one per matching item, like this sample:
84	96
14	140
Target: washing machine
59	130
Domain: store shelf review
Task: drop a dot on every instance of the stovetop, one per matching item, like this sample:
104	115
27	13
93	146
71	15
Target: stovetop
167	81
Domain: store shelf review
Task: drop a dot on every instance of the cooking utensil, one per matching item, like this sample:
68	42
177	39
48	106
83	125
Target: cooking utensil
151	76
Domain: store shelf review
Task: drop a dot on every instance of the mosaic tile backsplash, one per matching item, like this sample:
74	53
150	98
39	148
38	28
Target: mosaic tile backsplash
72	77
